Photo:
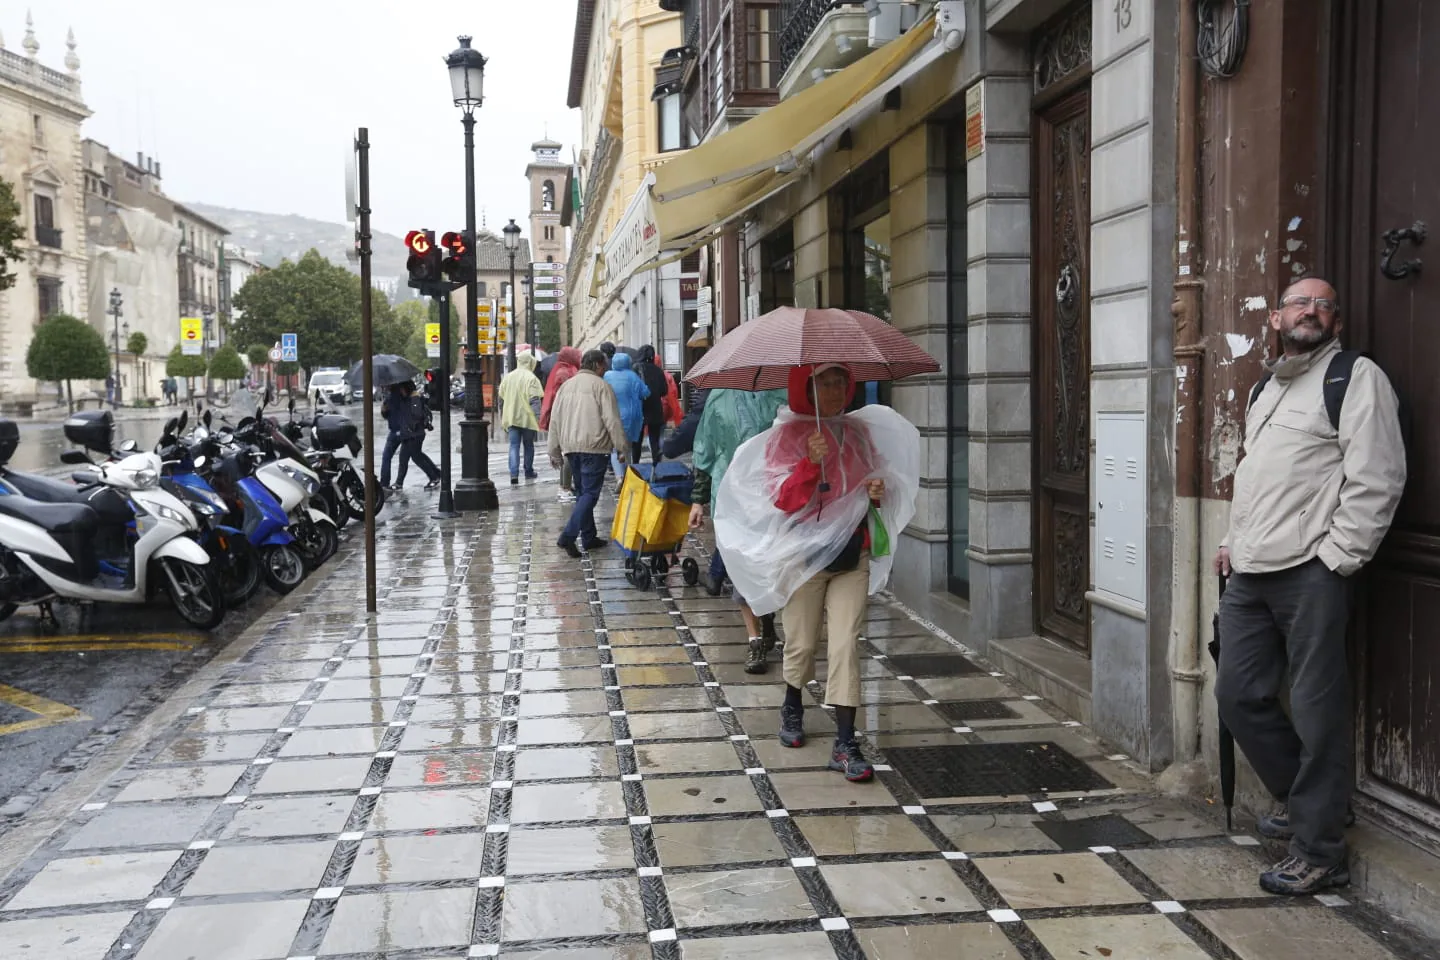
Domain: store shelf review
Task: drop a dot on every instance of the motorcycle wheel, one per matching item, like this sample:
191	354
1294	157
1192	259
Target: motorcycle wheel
194	592
317	542
328	503
238	571
352	491
283	567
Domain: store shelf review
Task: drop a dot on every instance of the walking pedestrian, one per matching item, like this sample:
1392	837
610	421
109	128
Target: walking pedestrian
653	407
730	418
520	399
584	428
567	364
1314	496
396	411
802	519
630	393
674	409
412	441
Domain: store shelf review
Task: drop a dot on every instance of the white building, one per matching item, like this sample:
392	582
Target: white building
41	110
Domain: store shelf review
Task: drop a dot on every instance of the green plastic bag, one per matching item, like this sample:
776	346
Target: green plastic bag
879	536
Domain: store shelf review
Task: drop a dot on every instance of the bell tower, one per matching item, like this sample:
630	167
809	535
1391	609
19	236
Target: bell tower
548	177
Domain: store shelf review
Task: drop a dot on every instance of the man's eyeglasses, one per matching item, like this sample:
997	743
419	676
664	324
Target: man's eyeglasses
1322	304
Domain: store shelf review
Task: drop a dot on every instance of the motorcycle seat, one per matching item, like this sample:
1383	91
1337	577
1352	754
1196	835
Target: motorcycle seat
76	518
46	489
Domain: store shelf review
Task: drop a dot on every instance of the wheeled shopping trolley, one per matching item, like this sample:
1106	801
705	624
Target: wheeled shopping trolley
651	521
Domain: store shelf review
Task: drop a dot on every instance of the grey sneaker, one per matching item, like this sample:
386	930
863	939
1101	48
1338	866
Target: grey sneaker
1293	877
792	729
847	758
1276	826
755	660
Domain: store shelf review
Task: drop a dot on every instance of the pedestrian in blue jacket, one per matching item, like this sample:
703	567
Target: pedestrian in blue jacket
630	392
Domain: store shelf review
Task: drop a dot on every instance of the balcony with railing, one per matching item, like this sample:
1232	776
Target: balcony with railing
818	37
737	67
47	236
28	71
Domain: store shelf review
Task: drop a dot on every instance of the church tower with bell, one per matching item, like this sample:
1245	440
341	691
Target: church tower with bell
547	176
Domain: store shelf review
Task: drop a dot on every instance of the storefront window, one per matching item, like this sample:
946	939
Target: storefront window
957	366
866	197
876	294
777	269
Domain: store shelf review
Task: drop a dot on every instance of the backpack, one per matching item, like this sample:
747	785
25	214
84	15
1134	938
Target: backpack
1337	382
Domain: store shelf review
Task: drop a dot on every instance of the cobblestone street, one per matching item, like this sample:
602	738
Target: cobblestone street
523	755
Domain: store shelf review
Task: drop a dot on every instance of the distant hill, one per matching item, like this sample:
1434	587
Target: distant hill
277	237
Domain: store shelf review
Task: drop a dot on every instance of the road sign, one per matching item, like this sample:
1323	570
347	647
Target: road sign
547	267
290	347
548	306
432	339
191	331
274	354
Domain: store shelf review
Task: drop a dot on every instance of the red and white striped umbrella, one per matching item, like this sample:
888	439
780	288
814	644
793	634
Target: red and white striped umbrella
758	355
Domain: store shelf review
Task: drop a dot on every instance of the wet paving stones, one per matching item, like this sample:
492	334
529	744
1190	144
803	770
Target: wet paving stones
524	756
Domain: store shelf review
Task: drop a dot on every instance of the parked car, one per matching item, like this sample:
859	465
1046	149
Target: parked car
328	386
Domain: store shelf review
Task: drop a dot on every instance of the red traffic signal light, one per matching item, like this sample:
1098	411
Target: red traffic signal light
423	263
430	375
459	266
456	243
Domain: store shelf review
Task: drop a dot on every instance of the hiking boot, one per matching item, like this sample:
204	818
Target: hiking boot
755	662
514	481
1293	877
597	544
1276	826
792	726
767	632
569	547
714	585
847	758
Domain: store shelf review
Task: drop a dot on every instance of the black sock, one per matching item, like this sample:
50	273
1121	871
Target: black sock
792	697
844	724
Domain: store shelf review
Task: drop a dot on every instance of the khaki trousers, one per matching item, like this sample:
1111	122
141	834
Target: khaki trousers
837	599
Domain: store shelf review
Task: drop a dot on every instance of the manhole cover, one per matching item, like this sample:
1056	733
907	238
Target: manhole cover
1111	830
992	769
932	665
961	711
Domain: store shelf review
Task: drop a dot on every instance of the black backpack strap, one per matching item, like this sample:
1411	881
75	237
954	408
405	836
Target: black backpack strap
1337	382
1259	386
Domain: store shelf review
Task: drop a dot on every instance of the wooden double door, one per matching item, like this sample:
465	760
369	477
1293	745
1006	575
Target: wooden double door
1388	246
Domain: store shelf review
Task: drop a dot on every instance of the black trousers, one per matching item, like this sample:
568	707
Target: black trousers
1292	621
636	448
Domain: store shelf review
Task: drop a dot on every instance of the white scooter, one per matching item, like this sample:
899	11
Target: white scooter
280	466
47	549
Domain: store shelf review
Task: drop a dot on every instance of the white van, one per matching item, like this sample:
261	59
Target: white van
328	386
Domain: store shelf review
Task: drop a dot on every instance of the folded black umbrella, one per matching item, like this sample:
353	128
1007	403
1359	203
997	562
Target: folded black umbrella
1226	738
387	369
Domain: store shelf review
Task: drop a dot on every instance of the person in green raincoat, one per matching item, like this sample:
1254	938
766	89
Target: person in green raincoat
731	417
520	397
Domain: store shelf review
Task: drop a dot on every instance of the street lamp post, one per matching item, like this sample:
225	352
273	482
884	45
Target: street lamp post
115	301
209	317
512	246
475	491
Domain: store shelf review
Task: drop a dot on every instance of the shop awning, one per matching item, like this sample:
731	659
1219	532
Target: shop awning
783	136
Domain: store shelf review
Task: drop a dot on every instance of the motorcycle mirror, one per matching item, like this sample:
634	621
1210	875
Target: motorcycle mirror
129	446
184	419
171	425
73	457
292	404
207	418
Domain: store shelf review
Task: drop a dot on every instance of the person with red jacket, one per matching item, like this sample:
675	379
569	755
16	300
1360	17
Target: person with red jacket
673	411
823	460
566	366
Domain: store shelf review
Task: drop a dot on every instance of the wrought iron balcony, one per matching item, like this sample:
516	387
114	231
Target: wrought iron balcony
47	236
798	19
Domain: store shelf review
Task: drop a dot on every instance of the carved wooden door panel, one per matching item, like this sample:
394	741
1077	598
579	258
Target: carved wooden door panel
1061	385
1390	311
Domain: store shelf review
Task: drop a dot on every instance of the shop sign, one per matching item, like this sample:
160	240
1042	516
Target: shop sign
974	122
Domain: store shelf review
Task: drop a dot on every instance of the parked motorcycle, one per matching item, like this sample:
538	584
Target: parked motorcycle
294	484
332	444
74	543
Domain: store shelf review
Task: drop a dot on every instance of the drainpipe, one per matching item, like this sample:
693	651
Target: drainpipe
1186	634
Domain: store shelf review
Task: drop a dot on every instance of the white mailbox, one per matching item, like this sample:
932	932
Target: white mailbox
1120	505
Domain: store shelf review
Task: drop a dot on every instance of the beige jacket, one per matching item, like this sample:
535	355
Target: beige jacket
1304	490
585	418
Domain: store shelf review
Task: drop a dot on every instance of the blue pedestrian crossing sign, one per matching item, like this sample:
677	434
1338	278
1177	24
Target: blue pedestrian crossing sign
290	347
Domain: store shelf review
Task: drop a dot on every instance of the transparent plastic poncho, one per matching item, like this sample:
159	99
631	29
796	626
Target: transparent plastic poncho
769	554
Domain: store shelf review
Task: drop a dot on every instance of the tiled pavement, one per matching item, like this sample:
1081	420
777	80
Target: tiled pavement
524	756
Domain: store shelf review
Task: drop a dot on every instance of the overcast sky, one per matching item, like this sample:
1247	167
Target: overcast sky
254	105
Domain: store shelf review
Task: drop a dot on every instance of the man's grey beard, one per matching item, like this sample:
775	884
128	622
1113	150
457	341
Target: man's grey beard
1303	339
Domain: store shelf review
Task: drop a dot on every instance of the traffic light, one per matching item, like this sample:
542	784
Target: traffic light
459	265
434	388
424	261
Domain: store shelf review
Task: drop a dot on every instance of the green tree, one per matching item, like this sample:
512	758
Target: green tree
226	365
549	333
414	314
12	231
180	365
65	348
258	354
136	346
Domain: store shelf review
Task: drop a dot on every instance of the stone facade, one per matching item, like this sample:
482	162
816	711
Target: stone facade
41	110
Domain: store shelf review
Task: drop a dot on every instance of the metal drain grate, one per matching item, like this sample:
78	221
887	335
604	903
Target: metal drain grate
992	769
1110	830
961	711
933	665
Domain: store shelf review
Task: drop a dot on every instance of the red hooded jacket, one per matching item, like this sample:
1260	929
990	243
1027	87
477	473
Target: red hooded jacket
849	464
565	367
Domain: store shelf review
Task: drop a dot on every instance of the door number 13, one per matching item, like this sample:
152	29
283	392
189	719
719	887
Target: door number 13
1122	15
